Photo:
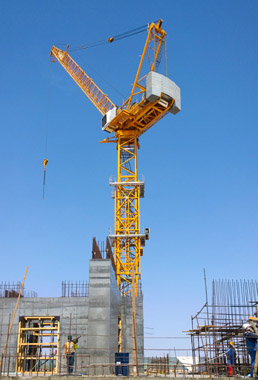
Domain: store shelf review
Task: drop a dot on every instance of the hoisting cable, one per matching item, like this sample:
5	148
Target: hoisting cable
117	37
129	33
45	161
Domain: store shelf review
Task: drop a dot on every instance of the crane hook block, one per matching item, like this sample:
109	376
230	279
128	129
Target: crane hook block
45	161
110	39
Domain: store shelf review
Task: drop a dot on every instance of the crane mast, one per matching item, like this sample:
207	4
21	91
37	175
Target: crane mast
152	97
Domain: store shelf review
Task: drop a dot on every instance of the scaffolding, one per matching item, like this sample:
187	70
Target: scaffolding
38	344
215	325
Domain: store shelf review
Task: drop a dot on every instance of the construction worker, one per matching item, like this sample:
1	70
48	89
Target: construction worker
70	348
251	344
231	358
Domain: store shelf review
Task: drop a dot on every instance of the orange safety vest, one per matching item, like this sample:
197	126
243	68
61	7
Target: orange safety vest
71	350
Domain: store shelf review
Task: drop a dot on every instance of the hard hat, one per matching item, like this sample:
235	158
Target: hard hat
231	343
246	325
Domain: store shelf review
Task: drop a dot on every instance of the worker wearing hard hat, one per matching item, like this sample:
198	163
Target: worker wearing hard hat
251	344
231	358
70	348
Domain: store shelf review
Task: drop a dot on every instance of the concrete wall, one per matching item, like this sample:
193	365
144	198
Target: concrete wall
105	303
73	311
94	317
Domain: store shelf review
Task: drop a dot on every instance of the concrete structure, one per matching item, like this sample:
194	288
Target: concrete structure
95	318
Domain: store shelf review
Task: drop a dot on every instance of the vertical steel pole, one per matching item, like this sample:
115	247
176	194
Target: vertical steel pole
11	324
135	362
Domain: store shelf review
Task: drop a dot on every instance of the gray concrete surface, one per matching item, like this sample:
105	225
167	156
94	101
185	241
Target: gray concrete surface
94	317
76	307
104	306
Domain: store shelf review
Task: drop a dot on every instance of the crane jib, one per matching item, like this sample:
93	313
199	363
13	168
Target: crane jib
91	90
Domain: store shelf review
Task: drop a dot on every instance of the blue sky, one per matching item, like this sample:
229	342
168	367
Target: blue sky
200	166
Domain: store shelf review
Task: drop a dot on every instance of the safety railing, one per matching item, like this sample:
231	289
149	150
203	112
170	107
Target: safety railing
84	365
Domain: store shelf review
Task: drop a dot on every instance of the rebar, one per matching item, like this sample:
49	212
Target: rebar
232	303
75	289
11	290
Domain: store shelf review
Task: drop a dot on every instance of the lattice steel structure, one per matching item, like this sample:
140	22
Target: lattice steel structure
152	97
127	238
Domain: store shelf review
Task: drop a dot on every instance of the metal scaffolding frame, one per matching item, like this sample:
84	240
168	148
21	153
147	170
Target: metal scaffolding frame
215	325
38	344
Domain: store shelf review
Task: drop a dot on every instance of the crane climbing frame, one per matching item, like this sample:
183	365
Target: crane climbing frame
152	97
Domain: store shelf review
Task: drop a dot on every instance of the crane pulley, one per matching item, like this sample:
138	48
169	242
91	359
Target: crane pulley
153	95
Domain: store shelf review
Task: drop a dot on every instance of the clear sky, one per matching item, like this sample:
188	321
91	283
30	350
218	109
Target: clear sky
200	166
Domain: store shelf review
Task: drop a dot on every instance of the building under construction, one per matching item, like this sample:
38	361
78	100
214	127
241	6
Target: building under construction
95	311
218	323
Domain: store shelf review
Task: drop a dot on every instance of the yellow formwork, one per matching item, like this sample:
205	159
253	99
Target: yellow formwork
35	350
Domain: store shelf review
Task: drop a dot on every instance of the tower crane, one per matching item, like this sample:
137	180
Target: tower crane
153	96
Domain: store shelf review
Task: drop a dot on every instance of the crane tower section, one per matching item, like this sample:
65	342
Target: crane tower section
152	97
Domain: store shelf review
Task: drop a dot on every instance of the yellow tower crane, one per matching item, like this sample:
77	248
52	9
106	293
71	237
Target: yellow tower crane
153	96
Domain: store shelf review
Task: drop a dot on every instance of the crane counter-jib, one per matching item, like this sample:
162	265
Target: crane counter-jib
161	96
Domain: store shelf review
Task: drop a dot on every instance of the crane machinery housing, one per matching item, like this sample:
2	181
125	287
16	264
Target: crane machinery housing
153	96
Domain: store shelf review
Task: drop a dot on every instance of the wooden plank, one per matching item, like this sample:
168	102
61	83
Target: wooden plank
38	328
48	344
40	317
38	357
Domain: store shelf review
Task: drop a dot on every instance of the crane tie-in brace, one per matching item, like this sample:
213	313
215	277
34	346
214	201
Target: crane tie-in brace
45	161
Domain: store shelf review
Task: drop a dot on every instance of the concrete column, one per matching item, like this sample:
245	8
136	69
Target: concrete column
104	307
